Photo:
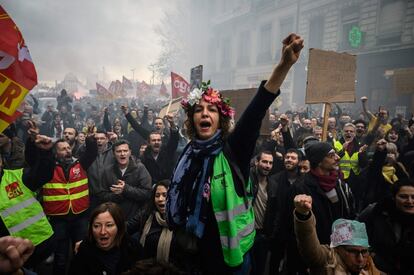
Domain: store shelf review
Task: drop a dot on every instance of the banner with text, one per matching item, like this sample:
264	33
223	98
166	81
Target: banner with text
17	71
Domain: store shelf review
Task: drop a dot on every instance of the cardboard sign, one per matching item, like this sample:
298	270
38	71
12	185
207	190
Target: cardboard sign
239	100
331	77
171	108
404	81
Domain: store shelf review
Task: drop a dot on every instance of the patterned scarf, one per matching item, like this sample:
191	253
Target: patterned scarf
189	191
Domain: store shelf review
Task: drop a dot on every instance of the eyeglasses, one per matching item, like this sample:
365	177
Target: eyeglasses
356	252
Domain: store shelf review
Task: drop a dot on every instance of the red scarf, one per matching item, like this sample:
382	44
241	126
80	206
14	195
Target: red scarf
327	183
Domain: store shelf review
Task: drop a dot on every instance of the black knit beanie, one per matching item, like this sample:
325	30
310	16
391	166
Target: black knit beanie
316	151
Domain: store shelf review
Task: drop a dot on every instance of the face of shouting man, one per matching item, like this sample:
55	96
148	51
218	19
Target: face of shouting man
122	154
155	142
349	133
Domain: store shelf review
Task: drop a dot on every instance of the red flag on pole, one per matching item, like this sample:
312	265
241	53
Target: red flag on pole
163	90
17	71
103	92
179	86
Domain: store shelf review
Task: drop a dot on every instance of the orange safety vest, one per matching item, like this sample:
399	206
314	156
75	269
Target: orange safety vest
61	195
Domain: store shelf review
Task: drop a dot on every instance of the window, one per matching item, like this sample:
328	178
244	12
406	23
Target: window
316	30
390	22
265	54
244	48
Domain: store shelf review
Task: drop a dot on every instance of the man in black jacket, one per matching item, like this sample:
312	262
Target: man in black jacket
158	159
331	196
278	204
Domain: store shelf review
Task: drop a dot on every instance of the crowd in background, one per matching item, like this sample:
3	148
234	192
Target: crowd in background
103	184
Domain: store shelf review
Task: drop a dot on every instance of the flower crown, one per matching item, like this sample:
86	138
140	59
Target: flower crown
209	95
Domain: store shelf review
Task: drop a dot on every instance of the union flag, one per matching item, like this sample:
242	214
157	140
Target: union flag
179	86
17	71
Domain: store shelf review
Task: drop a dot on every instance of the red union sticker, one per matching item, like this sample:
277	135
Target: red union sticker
76	173
13	190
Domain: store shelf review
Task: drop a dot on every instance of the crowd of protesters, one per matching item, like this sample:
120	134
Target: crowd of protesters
111	188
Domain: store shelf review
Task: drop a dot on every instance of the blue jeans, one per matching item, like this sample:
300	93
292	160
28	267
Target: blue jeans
68	230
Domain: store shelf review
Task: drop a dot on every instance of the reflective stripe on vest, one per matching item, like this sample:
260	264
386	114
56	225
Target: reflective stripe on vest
347	163
57	185
234	214
66	197
61	195
21	213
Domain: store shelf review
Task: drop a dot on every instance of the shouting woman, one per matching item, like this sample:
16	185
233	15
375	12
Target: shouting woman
210	195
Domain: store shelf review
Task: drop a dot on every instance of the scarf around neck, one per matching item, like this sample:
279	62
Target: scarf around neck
189	191
389	173
164	242
326	182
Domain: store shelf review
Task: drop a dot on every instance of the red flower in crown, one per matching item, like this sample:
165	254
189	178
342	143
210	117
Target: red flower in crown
209	95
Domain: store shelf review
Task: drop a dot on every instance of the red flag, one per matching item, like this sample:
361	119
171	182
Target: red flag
103	92
17	71
179	86
126	83
163	90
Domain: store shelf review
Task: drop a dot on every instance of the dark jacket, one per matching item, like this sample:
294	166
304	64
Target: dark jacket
376	188
281	205
391	236
162	167
90	260
15	158
137	187
325	211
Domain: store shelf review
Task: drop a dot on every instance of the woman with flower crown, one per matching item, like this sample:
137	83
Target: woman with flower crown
210	193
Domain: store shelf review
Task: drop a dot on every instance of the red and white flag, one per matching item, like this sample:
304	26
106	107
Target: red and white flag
179	86
103	92
17	71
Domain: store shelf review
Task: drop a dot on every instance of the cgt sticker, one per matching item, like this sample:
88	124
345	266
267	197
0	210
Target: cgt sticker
13	190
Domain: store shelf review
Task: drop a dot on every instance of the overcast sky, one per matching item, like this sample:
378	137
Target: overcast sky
83	36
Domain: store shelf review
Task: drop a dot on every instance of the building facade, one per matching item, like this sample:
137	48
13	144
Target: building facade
244	43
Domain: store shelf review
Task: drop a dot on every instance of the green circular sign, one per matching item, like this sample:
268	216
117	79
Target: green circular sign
355	37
